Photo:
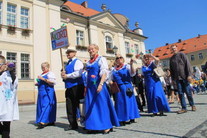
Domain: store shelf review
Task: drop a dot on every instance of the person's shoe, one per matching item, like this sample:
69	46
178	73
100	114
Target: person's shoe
122	123
51	124
41	126
129	122
107	131
162	114
154	114
132	121
181	111
193	108
70	128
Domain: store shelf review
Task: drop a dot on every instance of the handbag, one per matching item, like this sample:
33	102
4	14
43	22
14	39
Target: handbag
114	88
129	92
159	71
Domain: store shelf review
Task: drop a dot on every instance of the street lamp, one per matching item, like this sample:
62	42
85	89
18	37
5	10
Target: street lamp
115	49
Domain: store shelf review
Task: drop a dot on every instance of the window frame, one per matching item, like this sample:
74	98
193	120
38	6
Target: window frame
108	42
12	13
79	38
136	48
127	47
12	60
25	17
192	57
25	71
200	56
1	12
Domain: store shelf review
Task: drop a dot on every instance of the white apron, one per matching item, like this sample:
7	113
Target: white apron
8	98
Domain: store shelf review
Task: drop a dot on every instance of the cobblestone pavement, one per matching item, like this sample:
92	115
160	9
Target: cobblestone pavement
191	124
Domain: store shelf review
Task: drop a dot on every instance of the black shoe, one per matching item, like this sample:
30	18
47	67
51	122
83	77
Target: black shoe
154	114
108	131
51	124
93	132
122	123
70	128
129	122
162	114
132	121
41	126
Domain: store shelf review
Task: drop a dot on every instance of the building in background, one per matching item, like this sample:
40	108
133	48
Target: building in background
195	49
87	26
25	38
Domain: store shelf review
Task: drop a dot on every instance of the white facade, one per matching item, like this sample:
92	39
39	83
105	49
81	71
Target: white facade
29	50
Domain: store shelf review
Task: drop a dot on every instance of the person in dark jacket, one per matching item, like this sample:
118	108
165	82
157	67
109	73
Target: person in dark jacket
139	86
205	68
180	69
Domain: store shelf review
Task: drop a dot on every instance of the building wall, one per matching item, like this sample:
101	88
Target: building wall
19	44
197	62
42	16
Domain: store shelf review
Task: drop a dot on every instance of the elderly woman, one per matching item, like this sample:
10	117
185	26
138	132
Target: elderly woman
99	111
156	100
125	102
46	101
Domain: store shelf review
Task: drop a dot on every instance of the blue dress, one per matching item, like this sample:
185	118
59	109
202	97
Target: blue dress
99	110
156	99
46	102
126	106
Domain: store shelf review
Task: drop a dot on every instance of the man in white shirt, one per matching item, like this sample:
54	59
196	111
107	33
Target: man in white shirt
74	86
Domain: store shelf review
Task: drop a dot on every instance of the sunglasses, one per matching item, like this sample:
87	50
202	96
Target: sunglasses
2	64
118	58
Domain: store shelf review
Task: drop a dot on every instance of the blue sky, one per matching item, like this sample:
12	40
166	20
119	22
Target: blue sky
162	21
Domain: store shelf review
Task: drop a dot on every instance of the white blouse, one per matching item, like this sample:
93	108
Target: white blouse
78	69
102	64
51	77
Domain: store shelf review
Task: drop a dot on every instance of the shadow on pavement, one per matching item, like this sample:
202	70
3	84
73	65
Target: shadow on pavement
154	133
61	125
200	103
198	129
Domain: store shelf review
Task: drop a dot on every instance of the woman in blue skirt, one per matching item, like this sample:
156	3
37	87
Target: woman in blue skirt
99	111
156	99
125	101
46	100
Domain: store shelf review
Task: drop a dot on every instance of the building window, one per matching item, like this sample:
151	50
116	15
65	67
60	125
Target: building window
164	63
0	12
25	62
136	48
200	56
12	57
79	37
109	42
11	14
192	58
24	18
127	47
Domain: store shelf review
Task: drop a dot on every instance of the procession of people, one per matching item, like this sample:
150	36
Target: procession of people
100	114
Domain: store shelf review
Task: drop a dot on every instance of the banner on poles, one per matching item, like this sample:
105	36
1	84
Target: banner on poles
59	38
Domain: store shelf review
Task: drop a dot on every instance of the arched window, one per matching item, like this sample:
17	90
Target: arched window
109	42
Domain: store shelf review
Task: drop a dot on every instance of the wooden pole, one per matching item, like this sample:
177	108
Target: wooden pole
61	55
